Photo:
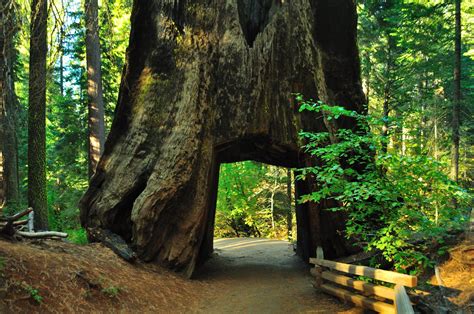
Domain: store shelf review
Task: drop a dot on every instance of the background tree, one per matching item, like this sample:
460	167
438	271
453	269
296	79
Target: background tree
37	114
457	90
9	184
420	117
254	199
94	85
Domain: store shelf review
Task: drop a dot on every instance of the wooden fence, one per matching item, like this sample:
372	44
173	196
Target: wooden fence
330	278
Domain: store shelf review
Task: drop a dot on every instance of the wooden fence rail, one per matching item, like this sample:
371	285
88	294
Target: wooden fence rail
330	278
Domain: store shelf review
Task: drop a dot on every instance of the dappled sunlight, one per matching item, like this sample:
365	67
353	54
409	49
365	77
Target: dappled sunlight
255	200
245	243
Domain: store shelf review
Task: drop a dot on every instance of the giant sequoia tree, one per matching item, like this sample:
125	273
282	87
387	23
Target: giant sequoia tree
208	82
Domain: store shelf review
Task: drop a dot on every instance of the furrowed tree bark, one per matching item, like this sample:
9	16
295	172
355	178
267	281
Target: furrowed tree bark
457	93
37	114
210	82
8	108
94	85
289	193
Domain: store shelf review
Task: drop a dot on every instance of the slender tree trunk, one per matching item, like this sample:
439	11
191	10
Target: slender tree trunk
3	113
94	86
368	82
421	129
436	136
37	114
272	201
61	61
289	214
457	93
404	140
385	113
9	184
387	96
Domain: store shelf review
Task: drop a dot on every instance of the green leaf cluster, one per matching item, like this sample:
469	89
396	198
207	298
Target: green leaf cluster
397	204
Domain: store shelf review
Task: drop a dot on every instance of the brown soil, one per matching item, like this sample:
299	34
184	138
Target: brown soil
246	275
263	276
455	292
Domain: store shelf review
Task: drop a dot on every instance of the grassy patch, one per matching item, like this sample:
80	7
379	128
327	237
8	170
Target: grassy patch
111	292
77	236
34	293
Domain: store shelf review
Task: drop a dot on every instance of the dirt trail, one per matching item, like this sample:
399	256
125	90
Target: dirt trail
262	276
244	276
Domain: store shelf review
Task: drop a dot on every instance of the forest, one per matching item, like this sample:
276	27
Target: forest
402	174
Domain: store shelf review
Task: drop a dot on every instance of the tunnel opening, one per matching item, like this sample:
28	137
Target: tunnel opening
254	221
250	166
312	225
255	200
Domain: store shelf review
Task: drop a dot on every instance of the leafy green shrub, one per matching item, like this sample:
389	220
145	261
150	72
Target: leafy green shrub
34	293
399	205
77	236
111	292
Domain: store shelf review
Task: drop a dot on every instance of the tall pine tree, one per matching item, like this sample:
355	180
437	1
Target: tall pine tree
94	85
37	114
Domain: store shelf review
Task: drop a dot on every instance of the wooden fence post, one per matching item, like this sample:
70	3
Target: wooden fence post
318	269
31	218
402	301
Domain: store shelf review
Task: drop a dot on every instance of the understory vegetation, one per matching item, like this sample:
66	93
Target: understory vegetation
399	205
255	200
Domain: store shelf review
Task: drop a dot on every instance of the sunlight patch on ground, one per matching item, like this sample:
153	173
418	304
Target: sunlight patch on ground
235	243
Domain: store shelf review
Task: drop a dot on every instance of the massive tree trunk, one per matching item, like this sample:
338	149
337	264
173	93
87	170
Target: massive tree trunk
37	114
209	82
8	108
94	86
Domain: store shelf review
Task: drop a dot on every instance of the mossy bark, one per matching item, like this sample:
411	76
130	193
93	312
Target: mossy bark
208	82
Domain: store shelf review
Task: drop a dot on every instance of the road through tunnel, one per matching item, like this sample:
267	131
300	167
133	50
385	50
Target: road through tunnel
314	226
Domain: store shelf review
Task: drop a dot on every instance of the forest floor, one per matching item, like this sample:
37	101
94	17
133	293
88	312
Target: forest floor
245	275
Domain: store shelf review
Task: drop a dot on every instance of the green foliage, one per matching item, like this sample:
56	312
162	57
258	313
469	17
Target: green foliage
111	292
67	170
77	236
399	205
34	293
244	203
407	58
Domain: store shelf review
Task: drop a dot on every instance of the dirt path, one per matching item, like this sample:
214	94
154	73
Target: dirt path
262	276
244	276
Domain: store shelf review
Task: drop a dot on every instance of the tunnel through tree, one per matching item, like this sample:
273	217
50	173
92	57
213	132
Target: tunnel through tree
207	84
255	200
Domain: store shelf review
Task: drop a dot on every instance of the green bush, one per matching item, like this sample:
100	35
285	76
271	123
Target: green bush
399	205
77	236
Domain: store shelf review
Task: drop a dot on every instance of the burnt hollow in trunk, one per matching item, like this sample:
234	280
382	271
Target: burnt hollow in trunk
208	82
